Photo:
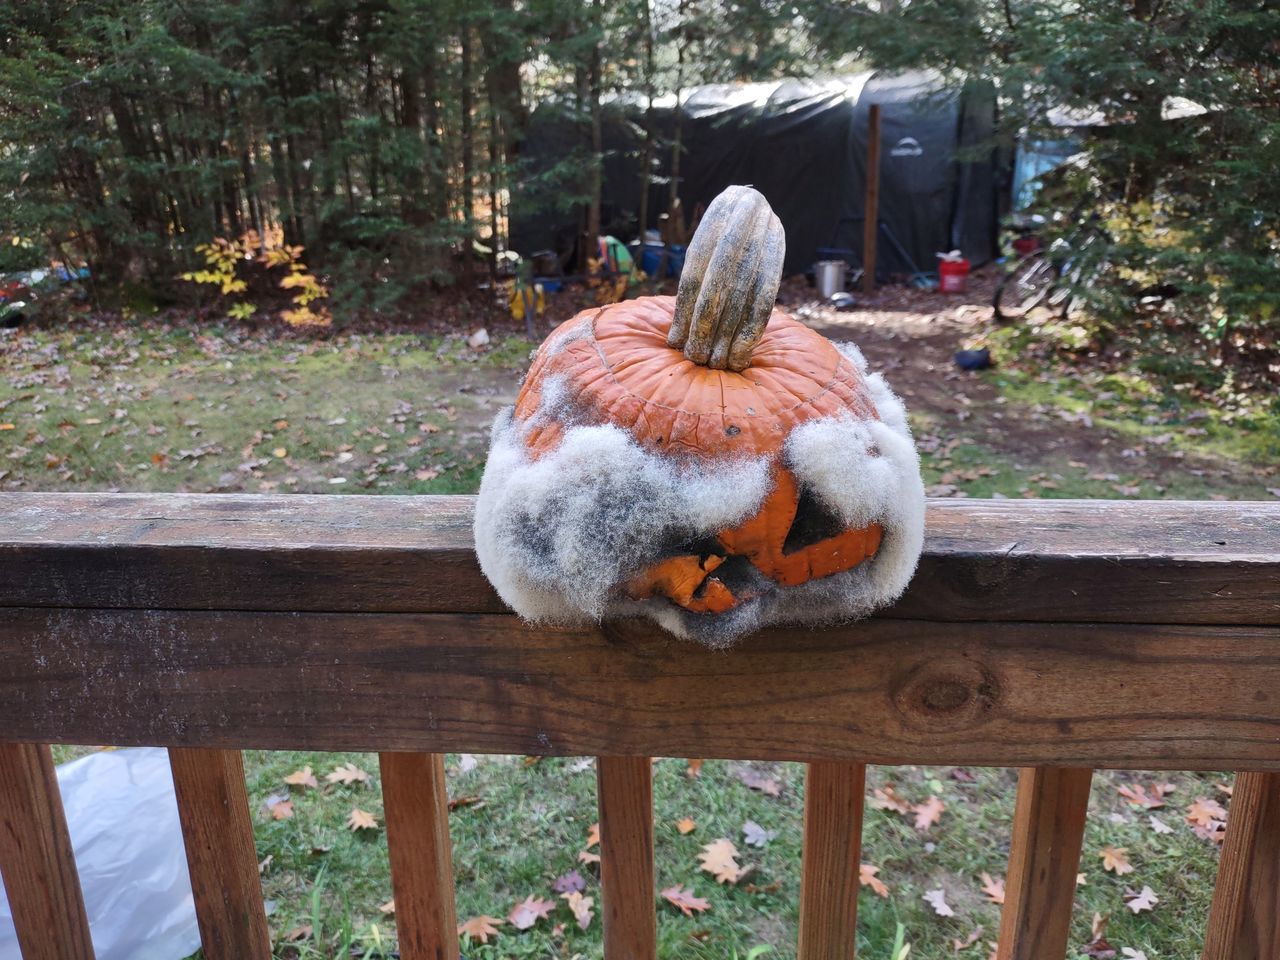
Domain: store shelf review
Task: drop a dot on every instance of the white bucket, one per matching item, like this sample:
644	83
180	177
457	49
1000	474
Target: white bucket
830	275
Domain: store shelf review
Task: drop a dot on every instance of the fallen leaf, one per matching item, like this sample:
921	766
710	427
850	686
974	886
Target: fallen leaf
1133	954
755	780
480	928
472	801
593	835
867	877
1116	859
993	887
886	798
359	819
426	473
938	900
1139	795
928	813
389	907
1098	948
1138	902
279	453
581	907
302	778
279	806
756	835
718	858
686	825
529	911
694	768
300	932
586	856
347	774
964	775
266	863
1208	818
974	936
1158	825
569	882
684	899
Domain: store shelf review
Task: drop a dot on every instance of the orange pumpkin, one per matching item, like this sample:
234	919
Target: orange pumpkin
706	387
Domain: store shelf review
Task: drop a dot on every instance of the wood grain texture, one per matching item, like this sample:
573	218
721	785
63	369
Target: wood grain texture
628	908
416	805
1244	922
833	801
36	859
882	691
1048	832
1080	561
221	858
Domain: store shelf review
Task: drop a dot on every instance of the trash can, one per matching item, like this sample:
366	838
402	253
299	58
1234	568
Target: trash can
829	276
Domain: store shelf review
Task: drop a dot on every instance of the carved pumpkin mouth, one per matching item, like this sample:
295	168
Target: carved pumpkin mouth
792	539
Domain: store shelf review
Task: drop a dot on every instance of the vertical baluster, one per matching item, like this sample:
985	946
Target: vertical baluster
625	789
416	804
39	868
1244	923
833	803
221	858
1048	832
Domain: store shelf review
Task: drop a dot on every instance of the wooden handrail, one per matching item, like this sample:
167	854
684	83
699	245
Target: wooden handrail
1057	636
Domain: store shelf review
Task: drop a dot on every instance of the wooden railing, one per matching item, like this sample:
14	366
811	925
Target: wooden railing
1054	636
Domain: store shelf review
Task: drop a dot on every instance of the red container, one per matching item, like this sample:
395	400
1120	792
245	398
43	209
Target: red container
953	275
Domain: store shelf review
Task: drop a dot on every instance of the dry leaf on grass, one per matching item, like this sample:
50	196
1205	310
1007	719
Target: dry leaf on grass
684	899
1140	902
685	826
867	877
529	911
303	778
359	819
756	835
1149	798
718	858
1116	859
569	882
694	768
993	887
389	907
938	900
280	808
347	774
755	780
928	813
480	928
886	798
1158	825
580	906
1208	818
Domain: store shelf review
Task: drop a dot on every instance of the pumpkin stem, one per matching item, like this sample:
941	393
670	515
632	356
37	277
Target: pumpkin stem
729	284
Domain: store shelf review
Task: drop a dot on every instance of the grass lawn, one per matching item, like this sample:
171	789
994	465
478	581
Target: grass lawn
159	407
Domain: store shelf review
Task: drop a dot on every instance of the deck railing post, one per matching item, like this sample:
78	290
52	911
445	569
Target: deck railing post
625	789
833	804
1244	923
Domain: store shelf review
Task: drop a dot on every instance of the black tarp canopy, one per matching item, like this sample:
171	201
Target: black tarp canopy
803	144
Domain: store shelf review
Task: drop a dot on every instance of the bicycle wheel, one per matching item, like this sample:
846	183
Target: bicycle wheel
1024	287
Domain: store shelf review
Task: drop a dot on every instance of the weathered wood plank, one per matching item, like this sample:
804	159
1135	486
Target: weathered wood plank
416	803
833	800
36	859
1082	561
1244	922
883	691
218	834
1048	832
628	909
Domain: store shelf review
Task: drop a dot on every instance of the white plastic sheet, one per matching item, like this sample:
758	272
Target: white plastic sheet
123	821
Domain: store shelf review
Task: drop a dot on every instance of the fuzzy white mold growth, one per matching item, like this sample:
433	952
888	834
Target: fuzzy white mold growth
561	535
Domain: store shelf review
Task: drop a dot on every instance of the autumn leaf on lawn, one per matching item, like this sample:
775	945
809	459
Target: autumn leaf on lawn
593	835
302	778
348	774
279	806
480	928
569	882
756	835
1151	798
938	900
1131	953
685	826
928	813
1138	902
1098	948
1116	859
471	801
1208	818
974	936
529	911
389	907
359	819
684	899
297	934
886	798
993	887
694	768
581	907
867	877
718	858
756	780
1158	825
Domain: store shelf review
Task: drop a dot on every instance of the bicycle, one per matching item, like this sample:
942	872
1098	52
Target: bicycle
1047	275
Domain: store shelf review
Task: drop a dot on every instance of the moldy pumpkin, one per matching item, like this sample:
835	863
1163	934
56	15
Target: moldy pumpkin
705	460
